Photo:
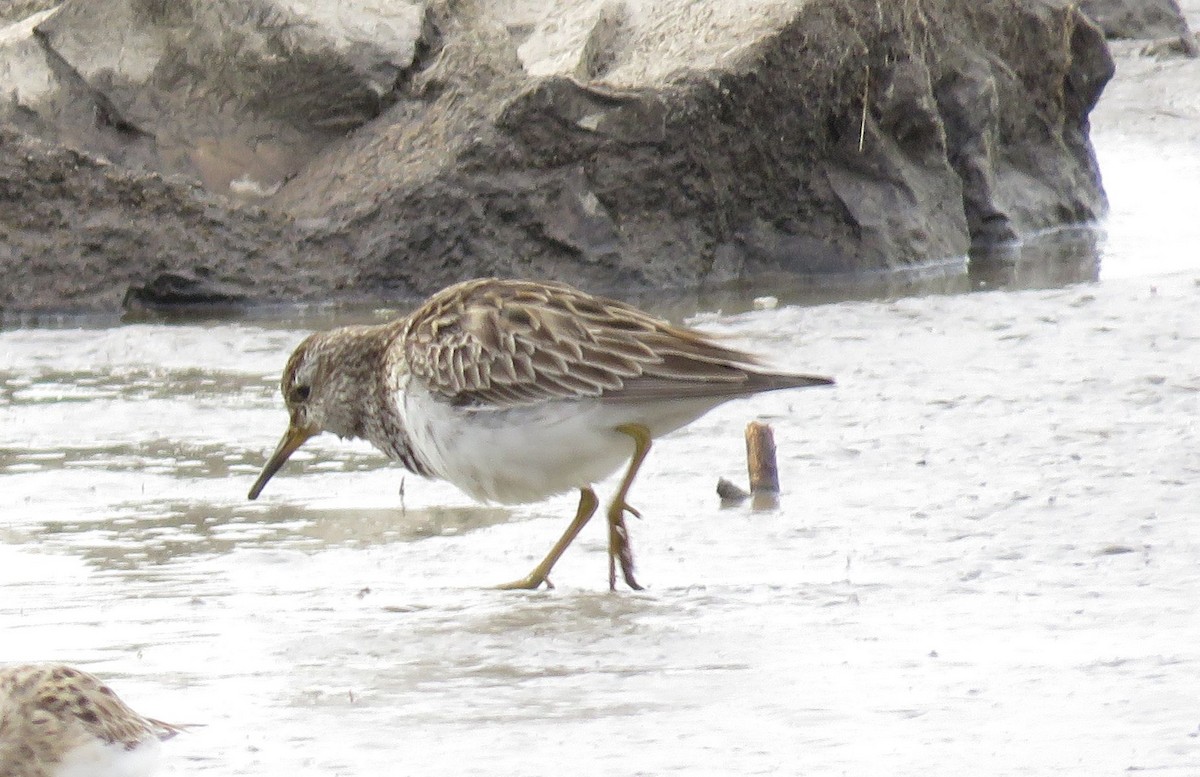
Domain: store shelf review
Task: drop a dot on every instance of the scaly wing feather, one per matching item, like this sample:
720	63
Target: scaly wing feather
509	343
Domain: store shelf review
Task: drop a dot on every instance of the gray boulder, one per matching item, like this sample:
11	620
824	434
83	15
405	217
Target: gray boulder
253	152
1136	18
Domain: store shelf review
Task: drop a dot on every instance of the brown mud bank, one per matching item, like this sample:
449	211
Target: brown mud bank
225	154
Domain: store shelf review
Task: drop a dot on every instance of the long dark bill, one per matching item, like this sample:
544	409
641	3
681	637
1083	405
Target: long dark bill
293	438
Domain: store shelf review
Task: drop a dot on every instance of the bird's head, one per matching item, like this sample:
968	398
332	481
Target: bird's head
324	386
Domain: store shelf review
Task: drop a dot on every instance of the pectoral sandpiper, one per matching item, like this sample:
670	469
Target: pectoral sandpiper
58	721
517	390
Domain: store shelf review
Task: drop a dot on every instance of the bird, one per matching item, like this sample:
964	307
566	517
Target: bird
59	721
516	390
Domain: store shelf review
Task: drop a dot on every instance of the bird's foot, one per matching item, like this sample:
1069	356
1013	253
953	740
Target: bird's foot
620	549
528	583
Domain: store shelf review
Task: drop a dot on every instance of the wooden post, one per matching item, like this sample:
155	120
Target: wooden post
760	460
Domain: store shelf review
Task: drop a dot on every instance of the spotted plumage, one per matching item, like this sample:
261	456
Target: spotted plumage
58	721
516	390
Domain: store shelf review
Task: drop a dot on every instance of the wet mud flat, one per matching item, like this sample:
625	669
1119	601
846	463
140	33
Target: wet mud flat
985	558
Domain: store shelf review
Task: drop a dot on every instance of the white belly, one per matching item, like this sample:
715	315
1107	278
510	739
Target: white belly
97	759
528	453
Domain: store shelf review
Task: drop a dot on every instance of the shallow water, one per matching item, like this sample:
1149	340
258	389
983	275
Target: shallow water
984	561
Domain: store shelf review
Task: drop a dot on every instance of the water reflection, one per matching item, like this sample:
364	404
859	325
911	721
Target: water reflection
147	534
133	383
1058	258
1052	259
167	456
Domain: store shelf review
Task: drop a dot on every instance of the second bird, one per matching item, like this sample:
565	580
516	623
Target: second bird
517	390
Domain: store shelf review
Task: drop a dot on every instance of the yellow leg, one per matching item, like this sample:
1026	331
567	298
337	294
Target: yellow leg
619	547
541	573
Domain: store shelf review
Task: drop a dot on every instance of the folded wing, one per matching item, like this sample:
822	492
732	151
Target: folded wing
510	343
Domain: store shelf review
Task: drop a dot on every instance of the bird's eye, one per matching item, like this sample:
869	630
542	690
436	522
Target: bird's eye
300	393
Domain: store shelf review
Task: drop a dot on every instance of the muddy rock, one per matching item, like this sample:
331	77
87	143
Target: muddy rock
235	95
1137	18
251	152
77	233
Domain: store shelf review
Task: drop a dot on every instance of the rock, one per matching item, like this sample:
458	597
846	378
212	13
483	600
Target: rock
19	10
172	295
618	144
1136	18
1188	45
1027	165
238	95
731	493
76	233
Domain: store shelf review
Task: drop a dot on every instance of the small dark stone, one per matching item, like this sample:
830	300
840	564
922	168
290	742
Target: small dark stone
731	494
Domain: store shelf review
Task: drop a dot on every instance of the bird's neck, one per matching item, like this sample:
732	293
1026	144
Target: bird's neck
356	378
378	419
